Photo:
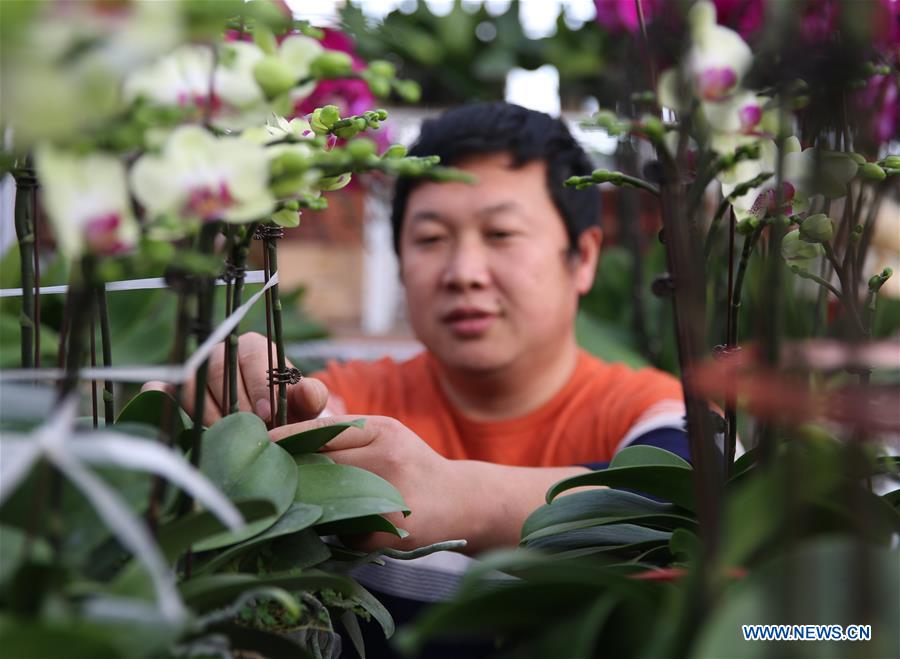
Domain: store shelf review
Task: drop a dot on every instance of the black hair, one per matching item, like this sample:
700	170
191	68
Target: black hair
527	135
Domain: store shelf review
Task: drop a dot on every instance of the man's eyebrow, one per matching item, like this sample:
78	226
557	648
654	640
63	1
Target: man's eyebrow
426	215
496	209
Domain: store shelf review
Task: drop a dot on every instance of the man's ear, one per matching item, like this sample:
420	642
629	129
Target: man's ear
584	261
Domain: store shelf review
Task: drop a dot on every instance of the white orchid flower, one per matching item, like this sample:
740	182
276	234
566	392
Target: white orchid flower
718	58
805	173
199	176
57	442
278	128
87	202
184	78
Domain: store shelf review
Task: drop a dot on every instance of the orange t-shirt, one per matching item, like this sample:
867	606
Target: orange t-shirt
600	408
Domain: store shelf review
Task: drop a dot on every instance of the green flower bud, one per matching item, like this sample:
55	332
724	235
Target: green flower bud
292	205
394	151
872	172
361	148
858	158
324	118
346	132
289	163
273	76
877	281
408	90
288	186
361	123
891	162
330	115
334	182
653	128
379	85
286	218
331	64
800	251
817	228
383	69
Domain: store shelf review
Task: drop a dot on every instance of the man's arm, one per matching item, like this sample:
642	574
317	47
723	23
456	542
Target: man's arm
483	503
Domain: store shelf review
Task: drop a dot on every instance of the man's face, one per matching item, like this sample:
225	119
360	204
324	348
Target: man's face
488	278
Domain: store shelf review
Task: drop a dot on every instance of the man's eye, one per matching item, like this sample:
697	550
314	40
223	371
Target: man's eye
428	240
500	235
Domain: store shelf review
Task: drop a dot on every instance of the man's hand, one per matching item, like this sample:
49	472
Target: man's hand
481	502
306	399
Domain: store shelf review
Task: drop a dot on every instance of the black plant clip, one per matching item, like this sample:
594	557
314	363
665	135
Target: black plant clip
232	272
268	232
288	375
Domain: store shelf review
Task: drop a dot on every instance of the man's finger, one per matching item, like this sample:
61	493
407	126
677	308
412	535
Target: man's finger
352	437
307	399
253	355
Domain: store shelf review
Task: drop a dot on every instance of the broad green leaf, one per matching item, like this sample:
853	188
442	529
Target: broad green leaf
592	504
29	638
375	609
311	441
356	525
640	456
822	581
298	517
667	482
206	593
260	643
174	539
609	535
301	459
685	545
244	463
11	346
345	492
743	464
667	522
149	407
297	551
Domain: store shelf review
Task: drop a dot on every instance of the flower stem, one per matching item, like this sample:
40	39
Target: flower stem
272	250
239	260
24	221
109	408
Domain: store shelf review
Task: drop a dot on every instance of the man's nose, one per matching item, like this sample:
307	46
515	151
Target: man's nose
467	267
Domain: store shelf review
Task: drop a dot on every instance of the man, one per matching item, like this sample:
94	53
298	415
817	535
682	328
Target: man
503	403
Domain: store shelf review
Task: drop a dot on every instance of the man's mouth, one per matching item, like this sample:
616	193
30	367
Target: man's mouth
469	322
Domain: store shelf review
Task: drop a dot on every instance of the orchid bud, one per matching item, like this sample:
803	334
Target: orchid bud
273	76
408	90
872	172
379	85
817	228
891	162
361	148
347	132
394	151
858	158
286	218
334	182
331	64
383	69
877	281
856	234
289	163
795	249
292	205
653	128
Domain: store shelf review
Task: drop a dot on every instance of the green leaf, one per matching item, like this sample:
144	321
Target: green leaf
149	407
375	609
667	522
345	492
210	592
596	504
685	545
893	498
29	638
616	535
312	459
821	579
743	464
260	643
356	525
298	517
667	482
311	441
241	460
642	456
11	346
297	551
351	626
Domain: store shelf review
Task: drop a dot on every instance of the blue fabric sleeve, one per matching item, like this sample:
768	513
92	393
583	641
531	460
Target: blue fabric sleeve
673	440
